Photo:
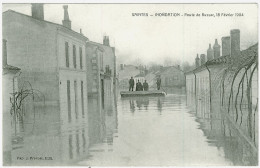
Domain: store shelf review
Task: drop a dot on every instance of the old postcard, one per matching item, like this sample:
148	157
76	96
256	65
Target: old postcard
130	84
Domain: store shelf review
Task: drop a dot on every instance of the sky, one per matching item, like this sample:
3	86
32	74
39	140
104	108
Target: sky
153	39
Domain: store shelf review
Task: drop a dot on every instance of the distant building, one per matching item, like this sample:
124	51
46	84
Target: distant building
151	79
125	73
172	77
140	78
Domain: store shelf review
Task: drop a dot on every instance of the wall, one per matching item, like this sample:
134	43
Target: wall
92	73
79	43
109	59
203	92
172	77
37	47
78	105
95	65
190	90
237	105
219	102
32	47
78	115
10	86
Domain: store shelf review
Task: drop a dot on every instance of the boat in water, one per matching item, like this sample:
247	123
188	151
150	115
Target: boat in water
142	93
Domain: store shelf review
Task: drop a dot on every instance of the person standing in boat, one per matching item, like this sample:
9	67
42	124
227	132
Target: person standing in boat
131	84
141	87
145	85
137	87
158	82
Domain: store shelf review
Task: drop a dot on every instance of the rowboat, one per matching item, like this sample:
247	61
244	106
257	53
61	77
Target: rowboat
142	93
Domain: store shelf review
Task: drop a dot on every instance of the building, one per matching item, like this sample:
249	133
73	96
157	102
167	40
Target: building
102	76
52	58
218	87
140	78
151	79
172	77
10	85
101	65
125	73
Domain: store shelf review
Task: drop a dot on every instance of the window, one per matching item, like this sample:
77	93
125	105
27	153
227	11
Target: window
84	140
70	147
67	54
102	94
77	142
74	56
80	58
76	99
101	61
68	100
82	99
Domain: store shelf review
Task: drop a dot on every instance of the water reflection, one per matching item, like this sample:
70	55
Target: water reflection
40	138
177	128
222	132
139	102
159	105
136	131
103	120
132	106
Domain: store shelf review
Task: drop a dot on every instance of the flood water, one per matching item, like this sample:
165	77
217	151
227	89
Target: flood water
136	131
164	131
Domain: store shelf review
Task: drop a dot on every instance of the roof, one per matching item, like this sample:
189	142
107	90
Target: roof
164	69
244	56
131	66
220	60
151	73
103	47
10	69
61	27
140	75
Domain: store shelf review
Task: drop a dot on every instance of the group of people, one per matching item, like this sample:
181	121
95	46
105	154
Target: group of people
144	86
139	85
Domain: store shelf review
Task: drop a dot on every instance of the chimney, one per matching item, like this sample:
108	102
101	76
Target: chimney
80	31
66	21
210	53
225	45
202	59
197	61
4	53
216	49
37	11
235	43
106	40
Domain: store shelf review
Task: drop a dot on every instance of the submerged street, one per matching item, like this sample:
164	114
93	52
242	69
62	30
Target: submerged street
95	85
154	131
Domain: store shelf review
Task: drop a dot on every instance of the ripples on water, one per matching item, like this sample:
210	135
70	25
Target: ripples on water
137	131
163	131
